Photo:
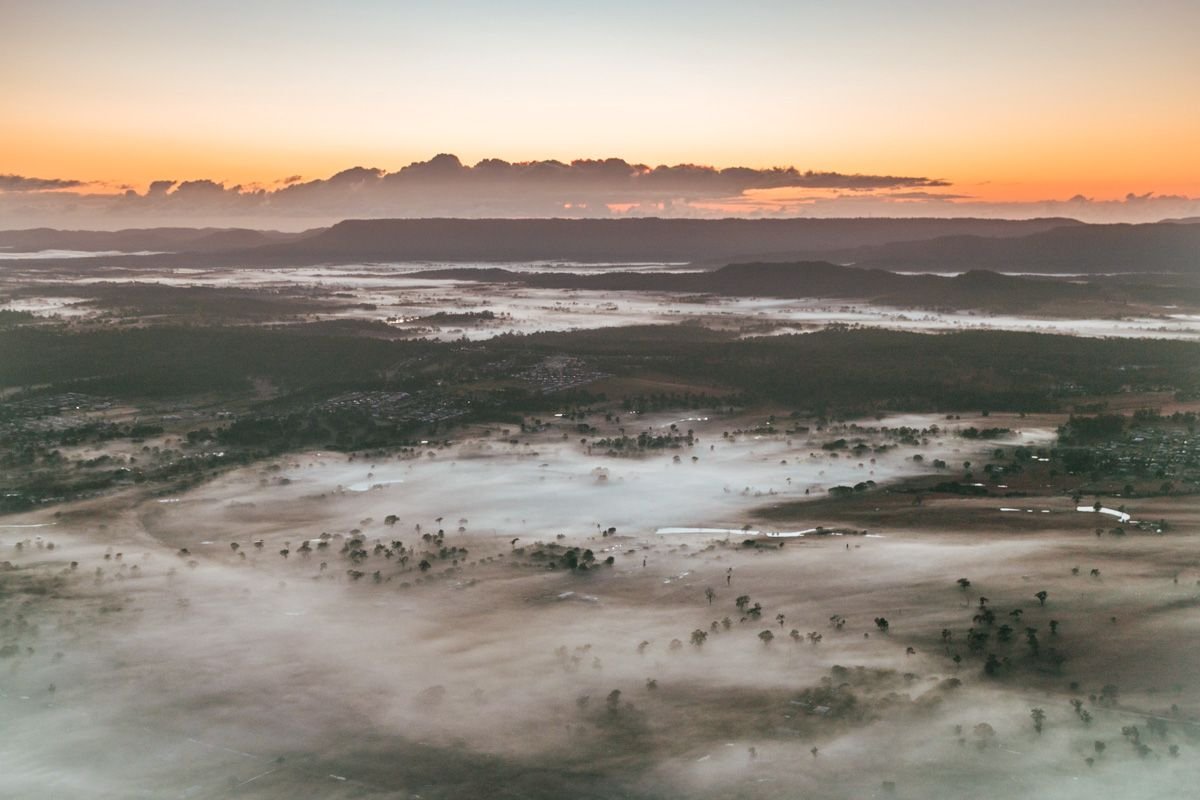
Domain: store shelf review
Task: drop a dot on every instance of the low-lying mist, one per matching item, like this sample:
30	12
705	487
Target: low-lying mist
447	623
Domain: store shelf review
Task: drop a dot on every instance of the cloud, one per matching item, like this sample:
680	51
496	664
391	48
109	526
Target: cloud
21	183
443	186
159	188
934	196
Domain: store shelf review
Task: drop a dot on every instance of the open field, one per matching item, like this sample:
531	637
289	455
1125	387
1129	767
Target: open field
452	650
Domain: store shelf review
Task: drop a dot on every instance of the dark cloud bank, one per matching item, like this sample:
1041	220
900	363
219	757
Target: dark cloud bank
445	187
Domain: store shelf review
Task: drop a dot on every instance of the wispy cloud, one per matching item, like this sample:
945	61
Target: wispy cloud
22	183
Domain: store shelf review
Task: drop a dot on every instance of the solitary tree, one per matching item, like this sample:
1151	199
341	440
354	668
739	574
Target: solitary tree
964	584
1039	717
709	594
766	637
1041	596
698	637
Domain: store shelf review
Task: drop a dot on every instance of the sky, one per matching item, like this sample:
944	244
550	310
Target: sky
1009	108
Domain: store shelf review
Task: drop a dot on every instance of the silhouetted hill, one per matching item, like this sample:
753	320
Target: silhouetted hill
592	240
134	240
919	245
810	279
1155	247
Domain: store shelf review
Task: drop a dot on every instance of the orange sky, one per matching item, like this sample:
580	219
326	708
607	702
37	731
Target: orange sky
1016	103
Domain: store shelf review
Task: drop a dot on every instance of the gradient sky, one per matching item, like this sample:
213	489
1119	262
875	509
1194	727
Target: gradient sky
1007	100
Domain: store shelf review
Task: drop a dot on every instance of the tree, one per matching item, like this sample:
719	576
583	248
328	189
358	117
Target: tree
1041	596
964	584
709	594
882	624
742	601
779	619
1039	718
698	637
424	565
766	637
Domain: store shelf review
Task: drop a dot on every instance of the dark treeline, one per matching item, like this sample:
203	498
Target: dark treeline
207	303
818	279
171	361
856	369
867	369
